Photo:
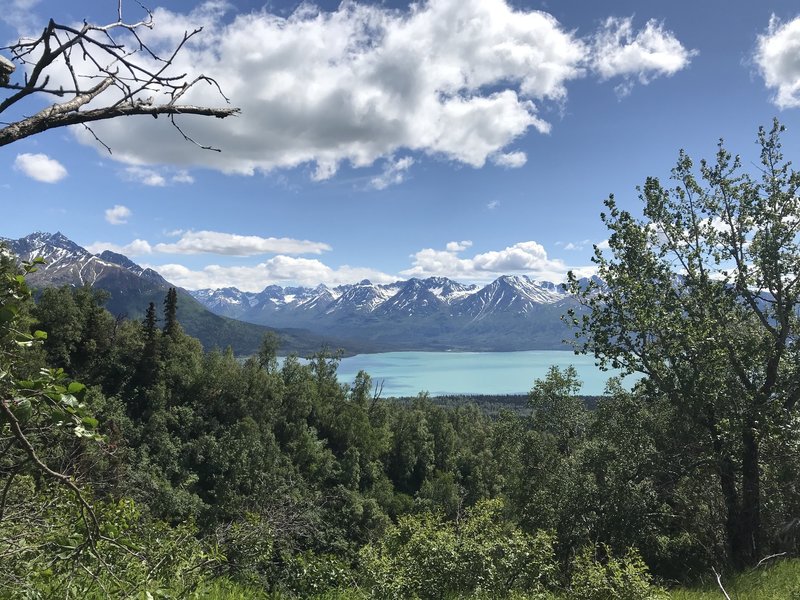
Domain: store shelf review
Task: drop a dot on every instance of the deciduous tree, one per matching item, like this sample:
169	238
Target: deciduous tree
702	296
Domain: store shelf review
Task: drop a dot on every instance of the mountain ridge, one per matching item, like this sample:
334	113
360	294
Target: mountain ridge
513	312
131	288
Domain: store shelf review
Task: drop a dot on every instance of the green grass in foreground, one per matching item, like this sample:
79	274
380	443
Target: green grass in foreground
781	581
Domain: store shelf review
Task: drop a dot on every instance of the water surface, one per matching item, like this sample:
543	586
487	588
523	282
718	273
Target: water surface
442	373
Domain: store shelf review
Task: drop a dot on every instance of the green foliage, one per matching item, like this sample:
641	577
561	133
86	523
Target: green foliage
45	554
598	575
700	296
425	556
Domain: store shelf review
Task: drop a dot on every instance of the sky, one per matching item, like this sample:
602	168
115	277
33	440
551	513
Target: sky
387	140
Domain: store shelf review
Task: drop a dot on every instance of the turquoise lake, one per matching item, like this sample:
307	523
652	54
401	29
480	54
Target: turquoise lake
441	373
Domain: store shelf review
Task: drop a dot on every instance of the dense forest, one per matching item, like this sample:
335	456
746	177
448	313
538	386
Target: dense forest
134	462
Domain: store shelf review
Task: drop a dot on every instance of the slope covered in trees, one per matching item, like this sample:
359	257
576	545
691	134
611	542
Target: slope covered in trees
177	471
134	464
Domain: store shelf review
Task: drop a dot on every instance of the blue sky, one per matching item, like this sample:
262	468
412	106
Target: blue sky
463	138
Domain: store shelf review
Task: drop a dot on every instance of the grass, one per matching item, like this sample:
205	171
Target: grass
781	581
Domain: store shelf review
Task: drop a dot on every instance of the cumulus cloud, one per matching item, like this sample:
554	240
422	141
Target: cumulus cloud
214	242
523	258
393	173
640	56
118	214
281	270
156	177
776	58
455	78
510	160
135	248
528	258
231	244
458	246
40	167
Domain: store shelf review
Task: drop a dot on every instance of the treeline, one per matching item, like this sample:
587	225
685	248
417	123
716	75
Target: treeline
284	480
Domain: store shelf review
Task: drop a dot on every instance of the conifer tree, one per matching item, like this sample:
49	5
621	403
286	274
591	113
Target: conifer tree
171	313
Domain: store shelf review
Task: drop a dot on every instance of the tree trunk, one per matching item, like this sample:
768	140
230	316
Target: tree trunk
727	479
750	535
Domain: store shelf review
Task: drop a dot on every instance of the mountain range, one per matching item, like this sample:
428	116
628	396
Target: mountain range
131	288
513	312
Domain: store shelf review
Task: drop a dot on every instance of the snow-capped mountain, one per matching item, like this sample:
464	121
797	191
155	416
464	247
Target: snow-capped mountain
509	294
67	263
131	288
363	297
512	312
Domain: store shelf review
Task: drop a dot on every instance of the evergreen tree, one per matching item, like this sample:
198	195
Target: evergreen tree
171	326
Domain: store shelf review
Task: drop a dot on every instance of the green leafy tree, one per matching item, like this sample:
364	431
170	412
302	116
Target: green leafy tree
39	409
557	408
702	296
480	555
599	575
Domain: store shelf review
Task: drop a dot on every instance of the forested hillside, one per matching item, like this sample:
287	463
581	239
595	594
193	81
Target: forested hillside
178	471
134	463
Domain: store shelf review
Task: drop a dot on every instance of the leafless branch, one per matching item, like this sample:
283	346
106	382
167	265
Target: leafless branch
121	81
719	583
87	512
770	557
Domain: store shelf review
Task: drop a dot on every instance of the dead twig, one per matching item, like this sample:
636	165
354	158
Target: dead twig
719	583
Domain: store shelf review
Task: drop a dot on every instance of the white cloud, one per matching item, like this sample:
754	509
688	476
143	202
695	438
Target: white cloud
19	15
524	257
394	172
574	245
776	58
510	160
456	78
281	270
118	214
40	167
182	176
458	246
156	177
642	56
493	204
215	242
145	176
135	248
231	244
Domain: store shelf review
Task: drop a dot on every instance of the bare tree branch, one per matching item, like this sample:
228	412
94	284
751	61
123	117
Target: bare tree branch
121	80
719	583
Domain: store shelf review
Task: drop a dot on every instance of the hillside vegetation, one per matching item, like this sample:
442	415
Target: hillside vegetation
135	464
